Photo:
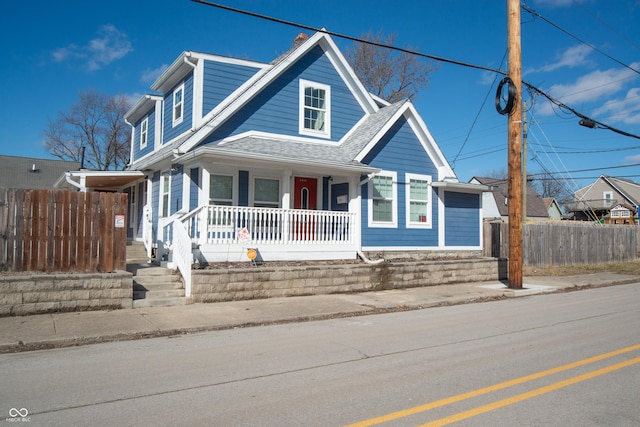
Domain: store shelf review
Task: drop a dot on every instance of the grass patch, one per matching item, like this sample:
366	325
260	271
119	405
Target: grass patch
632	267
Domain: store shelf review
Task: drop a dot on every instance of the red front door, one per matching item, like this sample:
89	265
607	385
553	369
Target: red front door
305	193
305	197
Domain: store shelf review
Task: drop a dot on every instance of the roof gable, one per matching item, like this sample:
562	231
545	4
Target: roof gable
261	80
404	113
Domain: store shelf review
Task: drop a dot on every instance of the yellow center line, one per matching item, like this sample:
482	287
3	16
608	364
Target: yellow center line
528	395
449	400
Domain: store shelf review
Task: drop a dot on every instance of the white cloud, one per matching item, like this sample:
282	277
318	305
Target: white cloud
151	75
110	45
624	110
573	57
631	160
590	87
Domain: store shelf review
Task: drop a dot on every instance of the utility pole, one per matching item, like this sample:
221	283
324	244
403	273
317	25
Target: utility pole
524	162
515	146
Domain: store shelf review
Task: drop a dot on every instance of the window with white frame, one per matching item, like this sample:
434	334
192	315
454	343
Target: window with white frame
266	193
383	200
418	196
315	109
608	198
221	190
178	105
165	188
144	131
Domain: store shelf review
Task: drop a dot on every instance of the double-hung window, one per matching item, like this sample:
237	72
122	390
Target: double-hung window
165	189
178	105
383	200
315	109
418	196
266	193
144	131
221	190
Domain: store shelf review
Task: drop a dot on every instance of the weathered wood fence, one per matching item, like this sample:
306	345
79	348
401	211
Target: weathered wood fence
61	231
565	243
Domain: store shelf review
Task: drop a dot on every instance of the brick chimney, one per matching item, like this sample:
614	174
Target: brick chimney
300	38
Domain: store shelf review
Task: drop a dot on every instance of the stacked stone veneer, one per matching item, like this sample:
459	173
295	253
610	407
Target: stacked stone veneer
23	293
266	282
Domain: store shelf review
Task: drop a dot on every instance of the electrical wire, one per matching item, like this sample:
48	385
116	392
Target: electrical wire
532	88
610	27
536	14
484	101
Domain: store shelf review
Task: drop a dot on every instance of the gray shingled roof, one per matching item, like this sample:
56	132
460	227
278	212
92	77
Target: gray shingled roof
535	204
32	173
331	152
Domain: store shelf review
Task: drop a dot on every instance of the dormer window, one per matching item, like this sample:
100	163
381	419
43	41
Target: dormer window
178	105
315	109
144	131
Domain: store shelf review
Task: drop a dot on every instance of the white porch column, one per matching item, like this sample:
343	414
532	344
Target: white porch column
286	189
355	206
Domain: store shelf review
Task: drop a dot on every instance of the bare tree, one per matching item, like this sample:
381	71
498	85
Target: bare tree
387	73
550	186
97	123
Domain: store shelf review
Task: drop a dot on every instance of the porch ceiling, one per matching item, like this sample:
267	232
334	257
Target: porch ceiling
101	179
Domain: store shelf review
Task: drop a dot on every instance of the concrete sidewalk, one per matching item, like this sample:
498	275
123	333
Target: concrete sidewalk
43	331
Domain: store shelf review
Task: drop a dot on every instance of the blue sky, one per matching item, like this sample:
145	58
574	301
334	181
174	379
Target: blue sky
54	50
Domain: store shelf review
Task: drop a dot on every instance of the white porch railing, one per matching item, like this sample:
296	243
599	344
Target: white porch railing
227	224
182	254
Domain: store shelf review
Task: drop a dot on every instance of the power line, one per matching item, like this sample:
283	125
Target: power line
610	27
423	55
593	169
536	14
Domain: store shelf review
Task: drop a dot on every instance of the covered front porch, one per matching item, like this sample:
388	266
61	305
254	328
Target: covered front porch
225	233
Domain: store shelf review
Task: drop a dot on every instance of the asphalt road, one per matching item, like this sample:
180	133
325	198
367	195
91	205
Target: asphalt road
569	359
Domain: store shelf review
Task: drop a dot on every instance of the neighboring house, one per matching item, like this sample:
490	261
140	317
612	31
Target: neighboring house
621	214
495	201
31	173
553	209
293	158
596	201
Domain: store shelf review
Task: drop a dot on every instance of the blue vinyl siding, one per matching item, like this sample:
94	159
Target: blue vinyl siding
462	216
276	108
220	80
171	132
137	152
175	193
194	186
401	151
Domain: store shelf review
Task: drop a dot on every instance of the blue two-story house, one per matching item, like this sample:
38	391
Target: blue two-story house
293	158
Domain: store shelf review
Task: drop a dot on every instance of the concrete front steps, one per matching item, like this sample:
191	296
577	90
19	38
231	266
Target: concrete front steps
155	286
136	253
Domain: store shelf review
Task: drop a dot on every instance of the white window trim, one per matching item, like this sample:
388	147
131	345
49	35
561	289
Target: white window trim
175	121
414	224
607	201
394	208
234	192
144	133
161	195
326	133
253	190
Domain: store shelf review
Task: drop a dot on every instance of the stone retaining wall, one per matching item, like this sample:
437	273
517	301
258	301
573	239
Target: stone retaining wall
22	294
268	282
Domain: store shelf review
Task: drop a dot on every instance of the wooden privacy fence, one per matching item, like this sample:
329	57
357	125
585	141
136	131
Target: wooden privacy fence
55	230
565	243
